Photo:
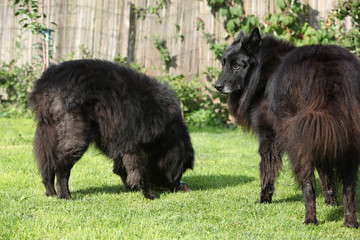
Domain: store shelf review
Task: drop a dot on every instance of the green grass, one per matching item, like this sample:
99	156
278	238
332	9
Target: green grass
223	203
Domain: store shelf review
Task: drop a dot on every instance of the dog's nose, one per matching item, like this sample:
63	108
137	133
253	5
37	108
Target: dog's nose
219	87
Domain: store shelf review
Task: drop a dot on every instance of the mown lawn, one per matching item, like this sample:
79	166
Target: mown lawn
222	203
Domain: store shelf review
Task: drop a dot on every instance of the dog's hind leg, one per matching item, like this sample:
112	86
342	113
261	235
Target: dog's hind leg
308	192
270	167
349	174
328	185
68	155
120	170
304	172
62	182
350	219
74	136
136	165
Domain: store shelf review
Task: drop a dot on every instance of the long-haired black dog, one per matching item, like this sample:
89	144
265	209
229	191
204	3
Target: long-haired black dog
132	118
304	101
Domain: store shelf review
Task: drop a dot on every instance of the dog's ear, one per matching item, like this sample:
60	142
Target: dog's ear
254	42
240	36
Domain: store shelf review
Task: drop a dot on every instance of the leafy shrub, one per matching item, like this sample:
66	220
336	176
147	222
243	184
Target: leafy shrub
347	38
202	106
189	93
289	24
123	60
160	45
81	52
15	85
233	14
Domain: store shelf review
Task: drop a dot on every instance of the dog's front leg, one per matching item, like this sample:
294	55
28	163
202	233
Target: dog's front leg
138	176
270	167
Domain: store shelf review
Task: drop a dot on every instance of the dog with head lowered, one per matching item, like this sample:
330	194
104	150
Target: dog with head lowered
132	118
304	101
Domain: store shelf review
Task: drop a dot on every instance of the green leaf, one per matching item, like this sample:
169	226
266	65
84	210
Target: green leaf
224	11
325	41
237	21
286	20
309	31
230	26
274	19
286	36
281	4
22	20
236	11
253	20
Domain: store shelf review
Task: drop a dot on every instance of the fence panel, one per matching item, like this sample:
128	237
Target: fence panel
106	28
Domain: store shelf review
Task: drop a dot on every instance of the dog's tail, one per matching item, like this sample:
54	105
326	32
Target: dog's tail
45	135
44	147
321	134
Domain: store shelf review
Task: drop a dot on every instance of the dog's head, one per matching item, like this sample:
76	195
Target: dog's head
171	155
238	62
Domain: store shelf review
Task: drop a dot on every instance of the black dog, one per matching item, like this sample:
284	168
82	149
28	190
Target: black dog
304	101
132	118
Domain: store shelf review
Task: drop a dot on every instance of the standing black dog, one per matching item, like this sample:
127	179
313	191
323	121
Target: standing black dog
132	118
304	101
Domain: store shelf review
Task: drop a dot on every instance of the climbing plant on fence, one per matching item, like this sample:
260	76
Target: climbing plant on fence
290	24
16	81
201	104
33	19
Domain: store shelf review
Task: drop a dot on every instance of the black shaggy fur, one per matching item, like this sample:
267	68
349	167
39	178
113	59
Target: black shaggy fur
132	118
304	101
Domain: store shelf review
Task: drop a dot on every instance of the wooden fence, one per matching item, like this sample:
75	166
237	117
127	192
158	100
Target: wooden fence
106	28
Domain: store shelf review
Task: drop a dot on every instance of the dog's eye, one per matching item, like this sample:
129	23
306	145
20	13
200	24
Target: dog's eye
236	66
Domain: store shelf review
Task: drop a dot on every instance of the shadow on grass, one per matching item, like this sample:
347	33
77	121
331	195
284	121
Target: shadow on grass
195	183
205	182
298	197
336	213
293	198
105	189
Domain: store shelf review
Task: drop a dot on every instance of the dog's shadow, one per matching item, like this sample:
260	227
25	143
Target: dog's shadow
207	182
105	189
335	213
195	183
298	197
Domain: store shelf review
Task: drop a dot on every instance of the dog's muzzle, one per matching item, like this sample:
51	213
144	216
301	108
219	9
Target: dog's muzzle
219	87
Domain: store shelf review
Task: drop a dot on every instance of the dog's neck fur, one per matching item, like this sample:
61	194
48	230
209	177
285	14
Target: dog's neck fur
272	52
269	58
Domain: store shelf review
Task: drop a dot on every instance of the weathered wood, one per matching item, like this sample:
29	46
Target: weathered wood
103	28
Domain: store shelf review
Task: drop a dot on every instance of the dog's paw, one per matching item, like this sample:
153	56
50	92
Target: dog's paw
149	195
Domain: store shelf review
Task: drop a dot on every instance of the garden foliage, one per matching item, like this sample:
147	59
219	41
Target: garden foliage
202	106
